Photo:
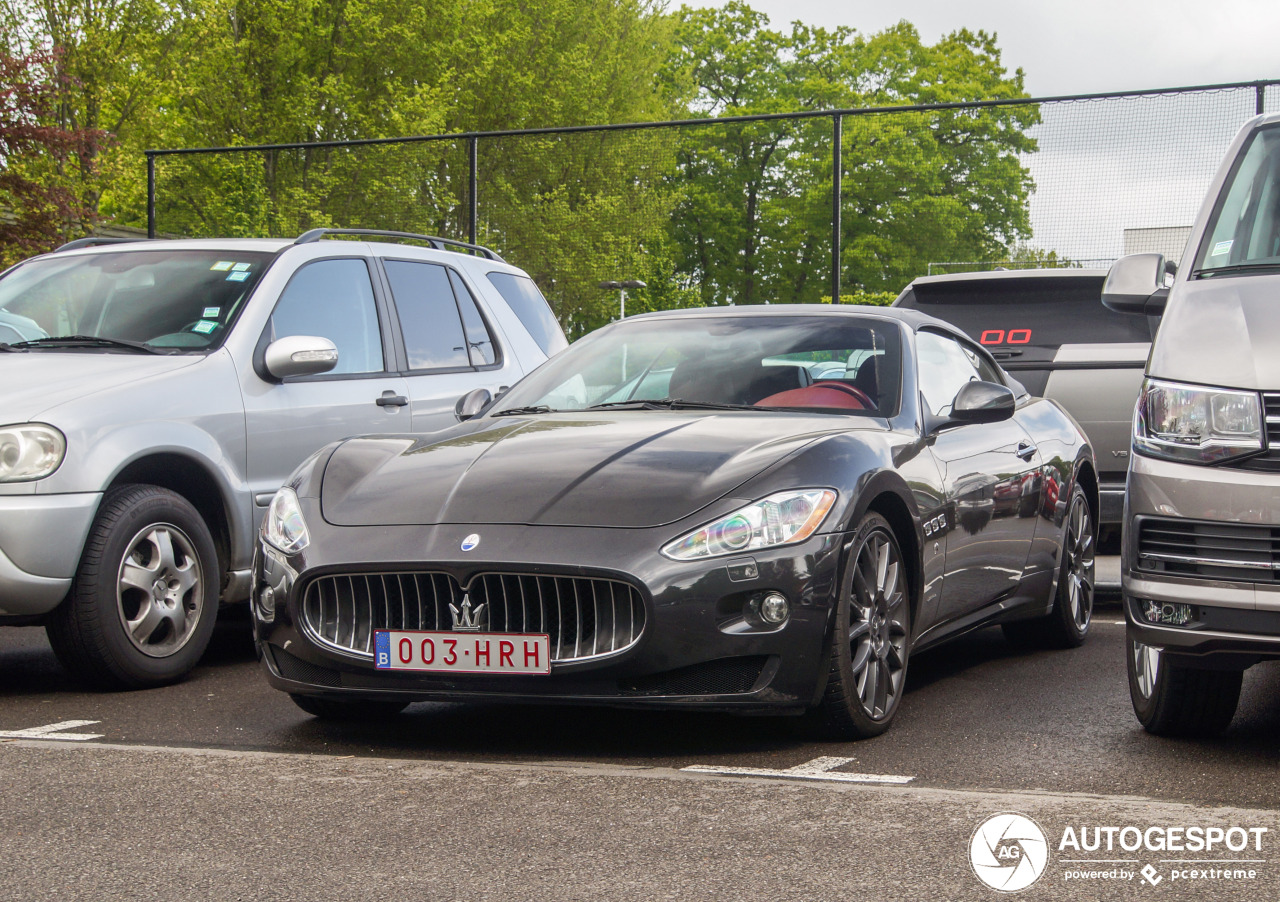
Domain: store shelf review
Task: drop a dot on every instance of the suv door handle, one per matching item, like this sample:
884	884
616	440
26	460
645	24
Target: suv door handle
391	399
1026	450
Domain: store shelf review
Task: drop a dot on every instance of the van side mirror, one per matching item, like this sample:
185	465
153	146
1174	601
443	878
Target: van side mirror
470	404
1138	284
300	355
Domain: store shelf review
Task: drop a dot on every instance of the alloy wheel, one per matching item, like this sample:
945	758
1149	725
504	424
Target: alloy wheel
877	627
1080	563
159	589
1146	667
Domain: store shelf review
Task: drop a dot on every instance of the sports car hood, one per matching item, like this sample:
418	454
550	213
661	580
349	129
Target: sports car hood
38	381
1223	331
626	468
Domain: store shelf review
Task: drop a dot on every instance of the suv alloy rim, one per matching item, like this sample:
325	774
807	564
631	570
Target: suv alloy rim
159	590
1146	667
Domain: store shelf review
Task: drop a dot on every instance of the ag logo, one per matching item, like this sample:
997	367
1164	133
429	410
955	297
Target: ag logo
1008	852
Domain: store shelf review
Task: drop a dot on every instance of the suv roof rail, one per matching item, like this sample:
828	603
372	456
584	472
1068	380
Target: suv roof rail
439	244
94	241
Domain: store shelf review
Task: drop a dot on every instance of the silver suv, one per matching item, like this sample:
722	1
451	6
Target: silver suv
1201	558
156	394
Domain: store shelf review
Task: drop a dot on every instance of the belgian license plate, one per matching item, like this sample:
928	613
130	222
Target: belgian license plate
457	652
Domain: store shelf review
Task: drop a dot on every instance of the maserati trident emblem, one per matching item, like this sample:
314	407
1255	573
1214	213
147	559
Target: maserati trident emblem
471	541
466	620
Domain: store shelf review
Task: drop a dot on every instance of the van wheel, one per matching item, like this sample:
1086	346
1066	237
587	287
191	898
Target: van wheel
143	603
1172	700
1068	622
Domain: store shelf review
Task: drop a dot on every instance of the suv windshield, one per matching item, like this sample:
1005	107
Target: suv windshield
1244	232
730	361
183	300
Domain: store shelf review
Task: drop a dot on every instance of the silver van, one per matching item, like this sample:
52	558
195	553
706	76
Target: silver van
1201	550
157	393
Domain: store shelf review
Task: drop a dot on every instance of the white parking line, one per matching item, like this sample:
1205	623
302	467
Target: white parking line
817	769
54	731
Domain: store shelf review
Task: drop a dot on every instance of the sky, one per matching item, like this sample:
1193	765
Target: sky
1080	46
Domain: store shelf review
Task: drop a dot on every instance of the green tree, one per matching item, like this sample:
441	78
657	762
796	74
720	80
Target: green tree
754	220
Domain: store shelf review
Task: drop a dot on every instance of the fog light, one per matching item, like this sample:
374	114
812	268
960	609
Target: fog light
1168	613
266	604
774	608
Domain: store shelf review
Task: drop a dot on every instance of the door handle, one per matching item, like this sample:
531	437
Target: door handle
391	399
1026	450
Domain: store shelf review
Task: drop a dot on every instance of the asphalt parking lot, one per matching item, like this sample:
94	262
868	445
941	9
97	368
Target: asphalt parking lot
219	787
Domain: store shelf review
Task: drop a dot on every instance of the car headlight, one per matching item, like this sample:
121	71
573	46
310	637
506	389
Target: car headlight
780	519
1196	425
284	528
30	451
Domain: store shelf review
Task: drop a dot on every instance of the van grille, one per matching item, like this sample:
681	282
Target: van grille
1268	460
1231	551
584	617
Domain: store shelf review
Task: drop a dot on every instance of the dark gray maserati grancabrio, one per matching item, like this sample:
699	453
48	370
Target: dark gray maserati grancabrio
761	510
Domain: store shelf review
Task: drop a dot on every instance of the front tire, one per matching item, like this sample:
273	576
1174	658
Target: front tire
871	639
1174	700
142	607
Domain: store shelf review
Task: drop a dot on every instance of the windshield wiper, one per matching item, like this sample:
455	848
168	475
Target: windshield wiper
5	346
670	404
1235	268
89	341
523	411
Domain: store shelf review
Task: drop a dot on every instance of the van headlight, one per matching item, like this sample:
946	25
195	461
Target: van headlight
1196	425
30	451
284	529
780	519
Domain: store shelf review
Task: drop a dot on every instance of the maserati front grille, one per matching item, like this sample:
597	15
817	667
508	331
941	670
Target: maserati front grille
585	618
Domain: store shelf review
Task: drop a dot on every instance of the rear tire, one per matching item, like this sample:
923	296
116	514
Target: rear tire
871	640
1175	700
342	709
142	607
1067	624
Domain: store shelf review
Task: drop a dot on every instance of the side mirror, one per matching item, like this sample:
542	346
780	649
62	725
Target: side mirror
1137	284
470	404
300	355
982	402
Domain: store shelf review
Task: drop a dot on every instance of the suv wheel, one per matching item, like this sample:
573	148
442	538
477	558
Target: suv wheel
1173	700
142	607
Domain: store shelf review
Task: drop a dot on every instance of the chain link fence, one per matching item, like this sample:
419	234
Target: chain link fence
744	209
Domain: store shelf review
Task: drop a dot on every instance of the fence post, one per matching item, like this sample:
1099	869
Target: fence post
1261	90
151	195
836	166
471	190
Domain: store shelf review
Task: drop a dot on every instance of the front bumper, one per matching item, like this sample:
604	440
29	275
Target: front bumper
696	649
41	539
1234	621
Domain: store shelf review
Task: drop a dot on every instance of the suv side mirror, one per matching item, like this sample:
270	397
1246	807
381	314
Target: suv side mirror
1136	284
470	404
300	355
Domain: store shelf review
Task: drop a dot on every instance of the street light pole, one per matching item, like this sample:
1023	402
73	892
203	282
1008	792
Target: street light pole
621	288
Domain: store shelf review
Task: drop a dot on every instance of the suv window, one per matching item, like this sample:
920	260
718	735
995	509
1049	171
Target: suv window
1025	314
523	297
333	299
429	316
479	344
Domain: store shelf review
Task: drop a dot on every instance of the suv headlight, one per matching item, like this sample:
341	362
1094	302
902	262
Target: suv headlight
780	519
284	528
1196	425
30	451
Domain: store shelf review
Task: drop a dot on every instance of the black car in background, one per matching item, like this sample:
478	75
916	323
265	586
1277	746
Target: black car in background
675	512
1049	330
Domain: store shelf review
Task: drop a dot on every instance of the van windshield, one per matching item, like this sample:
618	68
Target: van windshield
1244	232
163	300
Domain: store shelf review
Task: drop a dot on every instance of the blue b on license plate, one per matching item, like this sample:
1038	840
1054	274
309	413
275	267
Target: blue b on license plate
458	652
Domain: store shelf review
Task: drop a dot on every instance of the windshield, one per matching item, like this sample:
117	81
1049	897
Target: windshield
1245	228
836	364
163	299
